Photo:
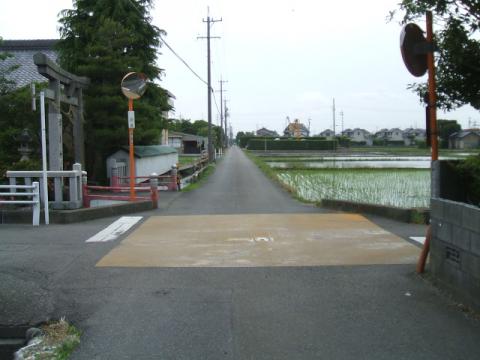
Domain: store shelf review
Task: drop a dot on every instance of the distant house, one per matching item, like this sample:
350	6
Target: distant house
358	135
296	129
412	136
394	134
465	139
329	134
187	143
22	52
265	132
148	159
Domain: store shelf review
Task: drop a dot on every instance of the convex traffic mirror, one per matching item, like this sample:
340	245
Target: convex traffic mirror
134	85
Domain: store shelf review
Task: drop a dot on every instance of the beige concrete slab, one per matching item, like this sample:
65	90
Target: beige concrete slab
259	240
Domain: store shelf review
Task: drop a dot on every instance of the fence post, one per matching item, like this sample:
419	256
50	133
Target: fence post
13	182
36	203
154	190
86	199
173	183
77	167
114	180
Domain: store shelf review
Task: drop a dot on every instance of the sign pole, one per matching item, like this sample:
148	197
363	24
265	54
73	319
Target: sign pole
131	126
432	90
432	104
44	158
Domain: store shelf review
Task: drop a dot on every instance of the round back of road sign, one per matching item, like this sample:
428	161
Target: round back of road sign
411	40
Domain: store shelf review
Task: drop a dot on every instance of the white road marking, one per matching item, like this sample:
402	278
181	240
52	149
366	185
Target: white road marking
115	229
419	239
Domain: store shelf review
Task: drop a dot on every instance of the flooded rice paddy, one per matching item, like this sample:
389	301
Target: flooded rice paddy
404	188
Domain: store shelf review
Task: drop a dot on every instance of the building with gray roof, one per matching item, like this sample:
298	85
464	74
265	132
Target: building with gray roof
22	52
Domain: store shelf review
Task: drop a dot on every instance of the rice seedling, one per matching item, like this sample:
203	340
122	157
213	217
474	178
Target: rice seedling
404	188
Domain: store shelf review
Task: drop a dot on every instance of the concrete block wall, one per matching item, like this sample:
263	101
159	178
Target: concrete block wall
455	248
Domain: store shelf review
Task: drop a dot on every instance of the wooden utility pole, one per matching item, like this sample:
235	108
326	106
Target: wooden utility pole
209	21
223	124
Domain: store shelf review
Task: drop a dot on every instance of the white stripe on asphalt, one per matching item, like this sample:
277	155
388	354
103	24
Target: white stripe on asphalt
115	229
419	239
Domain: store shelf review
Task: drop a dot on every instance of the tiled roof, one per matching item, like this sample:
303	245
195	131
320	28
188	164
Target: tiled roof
22	52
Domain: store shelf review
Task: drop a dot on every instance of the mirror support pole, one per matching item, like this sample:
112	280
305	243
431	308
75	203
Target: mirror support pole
131	155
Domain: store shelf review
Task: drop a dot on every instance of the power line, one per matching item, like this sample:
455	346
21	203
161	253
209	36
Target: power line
169	47
183	61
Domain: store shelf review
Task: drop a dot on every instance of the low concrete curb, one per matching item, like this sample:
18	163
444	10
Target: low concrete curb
77	215
418	216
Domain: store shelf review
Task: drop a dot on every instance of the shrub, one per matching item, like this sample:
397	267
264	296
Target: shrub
469	171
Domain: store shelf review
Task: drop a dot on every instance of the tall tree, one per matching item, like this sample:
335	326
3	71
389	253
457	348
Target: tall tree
104	40
457	38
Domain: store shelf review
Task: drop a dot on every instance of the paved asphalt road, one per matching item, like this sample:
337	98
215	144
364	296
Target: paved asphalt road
319	312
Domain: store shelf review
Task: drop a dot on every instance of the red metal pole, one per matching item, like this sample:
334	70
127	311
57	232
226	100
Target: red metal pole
432	102
132	158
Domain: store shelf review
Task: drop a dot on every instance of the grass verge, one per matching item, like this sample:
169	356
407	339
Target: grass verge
202	178
272	175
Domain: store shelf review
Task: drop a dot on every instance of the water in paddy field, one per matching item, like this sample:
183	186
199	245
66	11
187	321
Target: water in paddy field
364	162
418	164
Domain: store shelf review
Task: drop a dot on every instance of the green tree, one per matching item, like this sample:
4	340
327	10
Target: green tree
104	40
445	128
17	115
457	38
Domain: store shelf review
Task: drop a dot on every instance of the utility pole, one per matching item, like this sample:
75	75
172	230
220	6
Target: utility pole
222	115
333	113
226	116
209	71
341	114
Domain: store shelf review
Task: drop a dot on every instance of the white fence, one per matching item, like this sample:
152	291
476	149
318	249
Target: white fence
34	196
74	185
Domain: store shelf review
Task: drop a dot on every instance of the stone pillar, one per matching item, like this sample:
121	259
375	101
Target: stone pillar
55	138
78	134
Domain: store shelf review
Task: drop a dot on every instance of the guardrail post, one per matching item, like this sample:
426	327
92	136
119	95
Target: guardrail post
86	199
36	203
154	190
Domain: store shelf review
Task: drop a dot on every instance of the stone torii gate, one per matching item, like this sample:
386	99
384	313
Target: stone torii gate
63	87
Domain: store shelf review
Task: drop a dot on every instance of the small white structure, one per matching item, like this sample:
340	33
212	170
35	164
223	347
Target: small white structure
148	159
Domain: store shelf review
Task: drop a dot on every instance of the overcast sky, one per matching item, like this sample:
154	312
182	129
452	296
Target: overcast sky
280	57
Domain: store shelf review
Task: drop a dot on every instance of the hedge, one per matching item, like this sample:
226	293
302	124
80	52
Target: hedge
262	144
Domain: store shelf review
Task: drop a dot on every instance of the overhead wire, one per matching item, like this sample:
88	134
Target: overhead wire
169	47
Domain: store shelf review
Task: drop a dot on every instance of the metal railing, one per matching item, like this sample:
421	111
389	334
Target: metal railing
34	194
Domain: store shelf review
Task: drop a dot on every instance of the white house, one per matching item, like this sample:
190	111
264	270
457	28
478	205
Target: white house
148	159
358	135
394	134
411	136
327	134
